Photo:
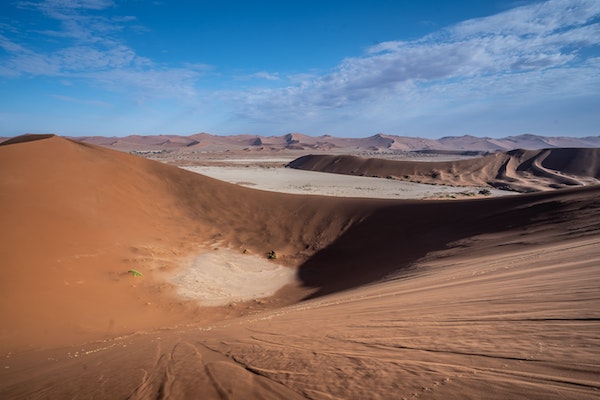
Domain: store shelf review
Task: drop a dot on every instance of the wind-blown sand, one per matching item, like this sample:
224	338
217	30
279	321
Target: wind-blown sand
482	298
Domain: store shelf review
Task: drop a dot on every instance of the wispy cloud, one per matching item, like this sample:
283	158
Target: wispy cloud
262	75
76	18
523	49
70	99
93	50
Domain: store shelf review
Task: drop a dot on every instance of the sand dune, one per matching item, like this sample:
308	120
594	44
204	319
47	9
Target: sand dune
486	298
80	216
519	170
299	142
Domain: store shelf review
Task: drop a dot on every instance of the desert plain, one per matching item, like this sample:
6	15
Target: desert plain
308	269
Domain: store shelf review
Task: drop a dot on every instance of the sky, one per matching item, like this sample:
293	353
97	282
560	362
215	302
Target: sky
348	68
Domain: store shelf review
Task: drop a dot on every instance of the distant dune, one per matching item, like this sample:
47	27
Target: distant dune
486	298
519	170
299	142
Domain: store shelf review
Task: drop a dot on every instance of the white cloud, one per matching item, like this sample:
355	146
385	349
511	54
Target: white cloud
266	75
70	99
52	5
261	75
536	19
93	51
149	83
482	57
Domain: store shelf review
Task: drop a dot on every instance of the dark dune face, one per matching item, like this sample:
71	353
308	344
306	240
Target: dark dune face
490	298
26	138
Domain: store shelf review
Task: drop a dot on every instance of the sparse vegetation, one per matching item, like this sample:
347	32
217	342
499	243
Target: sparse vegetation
485	192
134	272
272	255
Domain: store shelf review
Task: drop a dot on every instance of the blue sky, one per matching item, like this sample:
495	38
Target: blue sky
345	68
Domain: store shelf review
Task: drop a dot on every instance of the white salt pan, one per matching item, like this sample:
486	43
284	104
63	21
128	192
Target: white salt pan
225	276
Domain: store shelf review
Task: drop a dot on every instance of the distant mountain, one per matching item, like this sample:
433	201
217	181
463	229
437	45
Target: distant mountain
205	142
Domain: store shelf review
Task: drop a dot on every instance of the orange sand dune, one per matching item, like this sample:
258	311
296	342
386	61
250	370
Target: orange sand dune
77	217
491	298
520	170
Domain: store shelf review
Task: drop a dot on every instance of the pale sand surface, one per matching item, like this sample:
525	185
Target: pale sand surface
223	276
295	181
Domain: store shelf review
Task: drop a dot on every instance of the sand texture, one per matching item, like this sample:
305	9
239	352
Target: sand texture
490	298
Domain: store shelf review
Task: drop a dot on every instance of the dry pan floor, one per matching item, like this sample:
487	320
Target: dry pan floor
296	181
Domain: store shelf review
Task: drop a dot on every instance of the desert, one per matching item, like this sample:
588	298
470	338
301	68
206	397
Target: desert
132	276
325	200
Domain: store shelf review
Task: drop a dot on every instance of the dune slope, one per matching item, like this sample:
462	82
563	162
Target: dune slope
520	170
507	314
77	217
493	298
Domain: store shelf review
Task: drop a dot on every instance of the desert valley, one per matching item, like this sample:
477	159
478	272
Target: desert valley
242	267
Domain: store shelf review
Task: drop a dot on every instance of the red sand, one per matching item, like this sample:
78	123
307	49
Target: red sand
491	298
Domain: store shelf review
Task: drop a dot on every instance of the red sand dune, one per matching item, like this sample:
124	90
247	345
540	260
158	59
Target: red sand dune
492	298
519	170
78	217
298	141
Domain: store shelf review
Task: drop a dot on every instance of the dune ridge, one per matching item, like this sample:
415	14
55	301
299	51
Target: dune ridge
518	170
494	298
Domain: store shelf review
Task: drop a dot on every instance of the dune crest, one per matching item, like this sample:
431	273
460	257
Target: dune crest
26	138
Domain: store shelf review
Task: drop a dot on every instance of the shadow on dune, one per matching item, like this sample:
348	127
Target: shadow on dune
30	137
389	241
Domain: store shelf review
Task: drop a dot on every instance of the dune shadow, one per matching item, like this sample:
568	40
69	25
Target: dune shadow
29	137
388	241
393	238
